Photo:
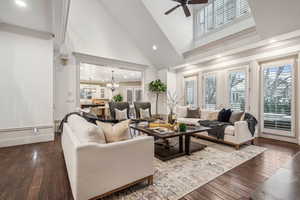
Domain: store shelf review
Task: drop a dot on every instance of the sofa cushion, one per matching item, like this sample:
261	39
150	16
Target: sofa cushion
236	116
181	111
85	131
193	113
115	132
121	114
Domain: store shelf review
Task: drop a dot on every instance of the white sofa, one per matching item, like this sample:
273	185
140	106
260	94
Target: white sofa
97	170
235	135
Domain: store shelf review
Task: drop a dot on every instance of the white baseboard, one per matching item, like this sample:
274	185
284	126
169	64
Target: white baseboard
25	136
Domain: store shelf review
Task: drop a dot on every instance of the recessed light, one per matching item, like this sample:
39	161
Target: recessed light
21	3
154	47
272	41
219	56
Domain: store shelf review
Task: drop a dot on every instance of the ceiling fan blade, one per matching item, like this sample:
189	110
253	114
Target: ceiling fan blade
197	1
172	9
180	1
186	10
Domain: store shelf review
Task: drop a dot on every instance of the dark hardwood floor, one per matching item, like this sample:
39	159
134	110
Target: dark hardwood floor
37	171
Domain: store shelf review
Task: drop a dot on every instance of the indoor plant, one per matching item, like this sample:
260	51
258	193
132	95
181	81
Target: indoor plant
118	98
157	87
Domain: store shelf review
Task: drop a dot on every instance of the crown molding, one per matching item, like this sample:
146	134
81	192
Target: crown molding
25	31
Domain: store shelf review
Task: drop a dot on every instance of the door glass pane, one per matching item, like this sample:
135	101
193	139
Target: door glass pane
138	95
278	97
237	90
210	89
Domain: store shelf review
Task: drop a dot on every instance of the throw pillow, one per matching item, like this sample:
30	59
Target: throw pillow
193	113
181	111
144	113
236	116
227	115
117	132
85	131
221	115
212	116
121	114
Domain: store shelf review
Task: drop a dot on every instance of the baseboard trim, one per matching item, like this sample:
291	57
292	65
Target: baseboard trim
14	138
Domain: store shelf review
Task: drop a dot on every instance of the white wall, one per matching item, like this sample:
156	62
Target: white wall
94	32
26	82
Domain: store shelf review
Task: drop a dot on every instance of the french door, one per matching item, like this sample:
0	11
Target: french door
278	97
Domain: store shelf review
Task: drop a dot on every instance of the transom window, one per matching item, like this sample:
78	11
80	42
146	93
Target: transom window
217	13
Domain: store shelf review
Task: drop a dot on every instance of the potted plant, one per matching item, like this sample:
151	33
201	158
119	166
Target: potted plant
118	98
157	87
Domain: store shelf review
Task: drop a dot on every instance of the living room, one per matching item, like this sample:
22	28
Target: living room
150	99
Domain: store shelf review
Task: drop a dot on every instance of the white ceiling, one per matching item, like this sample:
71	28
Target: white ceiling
275	17
36	15
103	74
138	22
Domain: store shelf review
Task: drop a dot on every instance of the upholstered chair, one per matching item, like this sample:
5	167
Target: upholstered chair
119	106
141	105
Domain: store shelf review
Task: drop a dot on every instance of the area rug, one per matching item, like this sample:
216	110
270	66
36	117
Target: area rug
176	178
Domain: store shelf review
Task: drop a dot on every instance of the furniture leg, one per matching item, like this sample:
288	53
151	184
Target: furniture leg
180	144
187	144
150	180
237	147
252	142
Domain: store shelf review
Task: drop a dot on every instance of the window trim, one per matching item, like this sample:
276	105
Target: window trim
264	65
192	78
215	74
247	85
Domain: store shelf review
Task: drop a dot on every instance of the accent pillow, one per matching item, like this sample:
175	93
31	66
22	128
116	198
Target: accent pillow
236	116
227	115
221	115
115	132
144	113
212	116
181	111
86	132
193	113
121	114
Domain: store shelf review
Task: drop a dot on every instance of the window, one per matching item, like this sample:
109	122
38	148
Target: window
88	91
237	90
190	87
210	91
138	95
277	97
217	13
129	96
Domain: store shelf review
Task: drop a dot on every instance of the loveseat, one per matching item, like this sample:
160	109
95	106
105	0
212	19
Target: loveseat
236	134
99	169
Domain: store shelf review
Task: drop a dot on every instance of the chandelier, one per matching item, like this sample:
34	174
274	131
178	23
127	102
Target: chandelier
112	85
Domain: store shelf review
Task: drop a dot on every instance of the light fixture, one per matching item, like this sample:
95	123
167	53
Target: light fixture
112	85
21	3
219	56
154	47
272	41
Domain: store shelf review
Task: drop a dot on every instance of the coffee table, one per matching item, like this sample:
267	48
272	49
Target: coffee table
182	148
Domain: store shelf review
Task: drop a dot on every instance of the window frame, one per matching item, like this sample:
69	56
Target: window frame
244	69
269	64
191	78
204	89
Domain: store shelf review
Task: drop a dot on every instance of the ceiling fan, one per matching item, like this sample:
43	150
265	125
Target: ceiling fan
184	4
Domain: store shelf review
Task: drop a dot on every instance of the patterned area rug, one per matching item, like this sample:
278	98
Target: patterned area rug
175	178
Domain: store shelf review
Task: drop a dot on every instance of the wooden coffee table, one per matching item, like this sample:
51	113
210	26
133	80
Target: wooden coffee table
182	148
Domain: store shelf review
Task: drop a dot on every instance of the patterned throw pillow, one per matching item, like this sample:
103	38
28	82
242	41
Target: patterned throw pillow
144	113
115	132
121	114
